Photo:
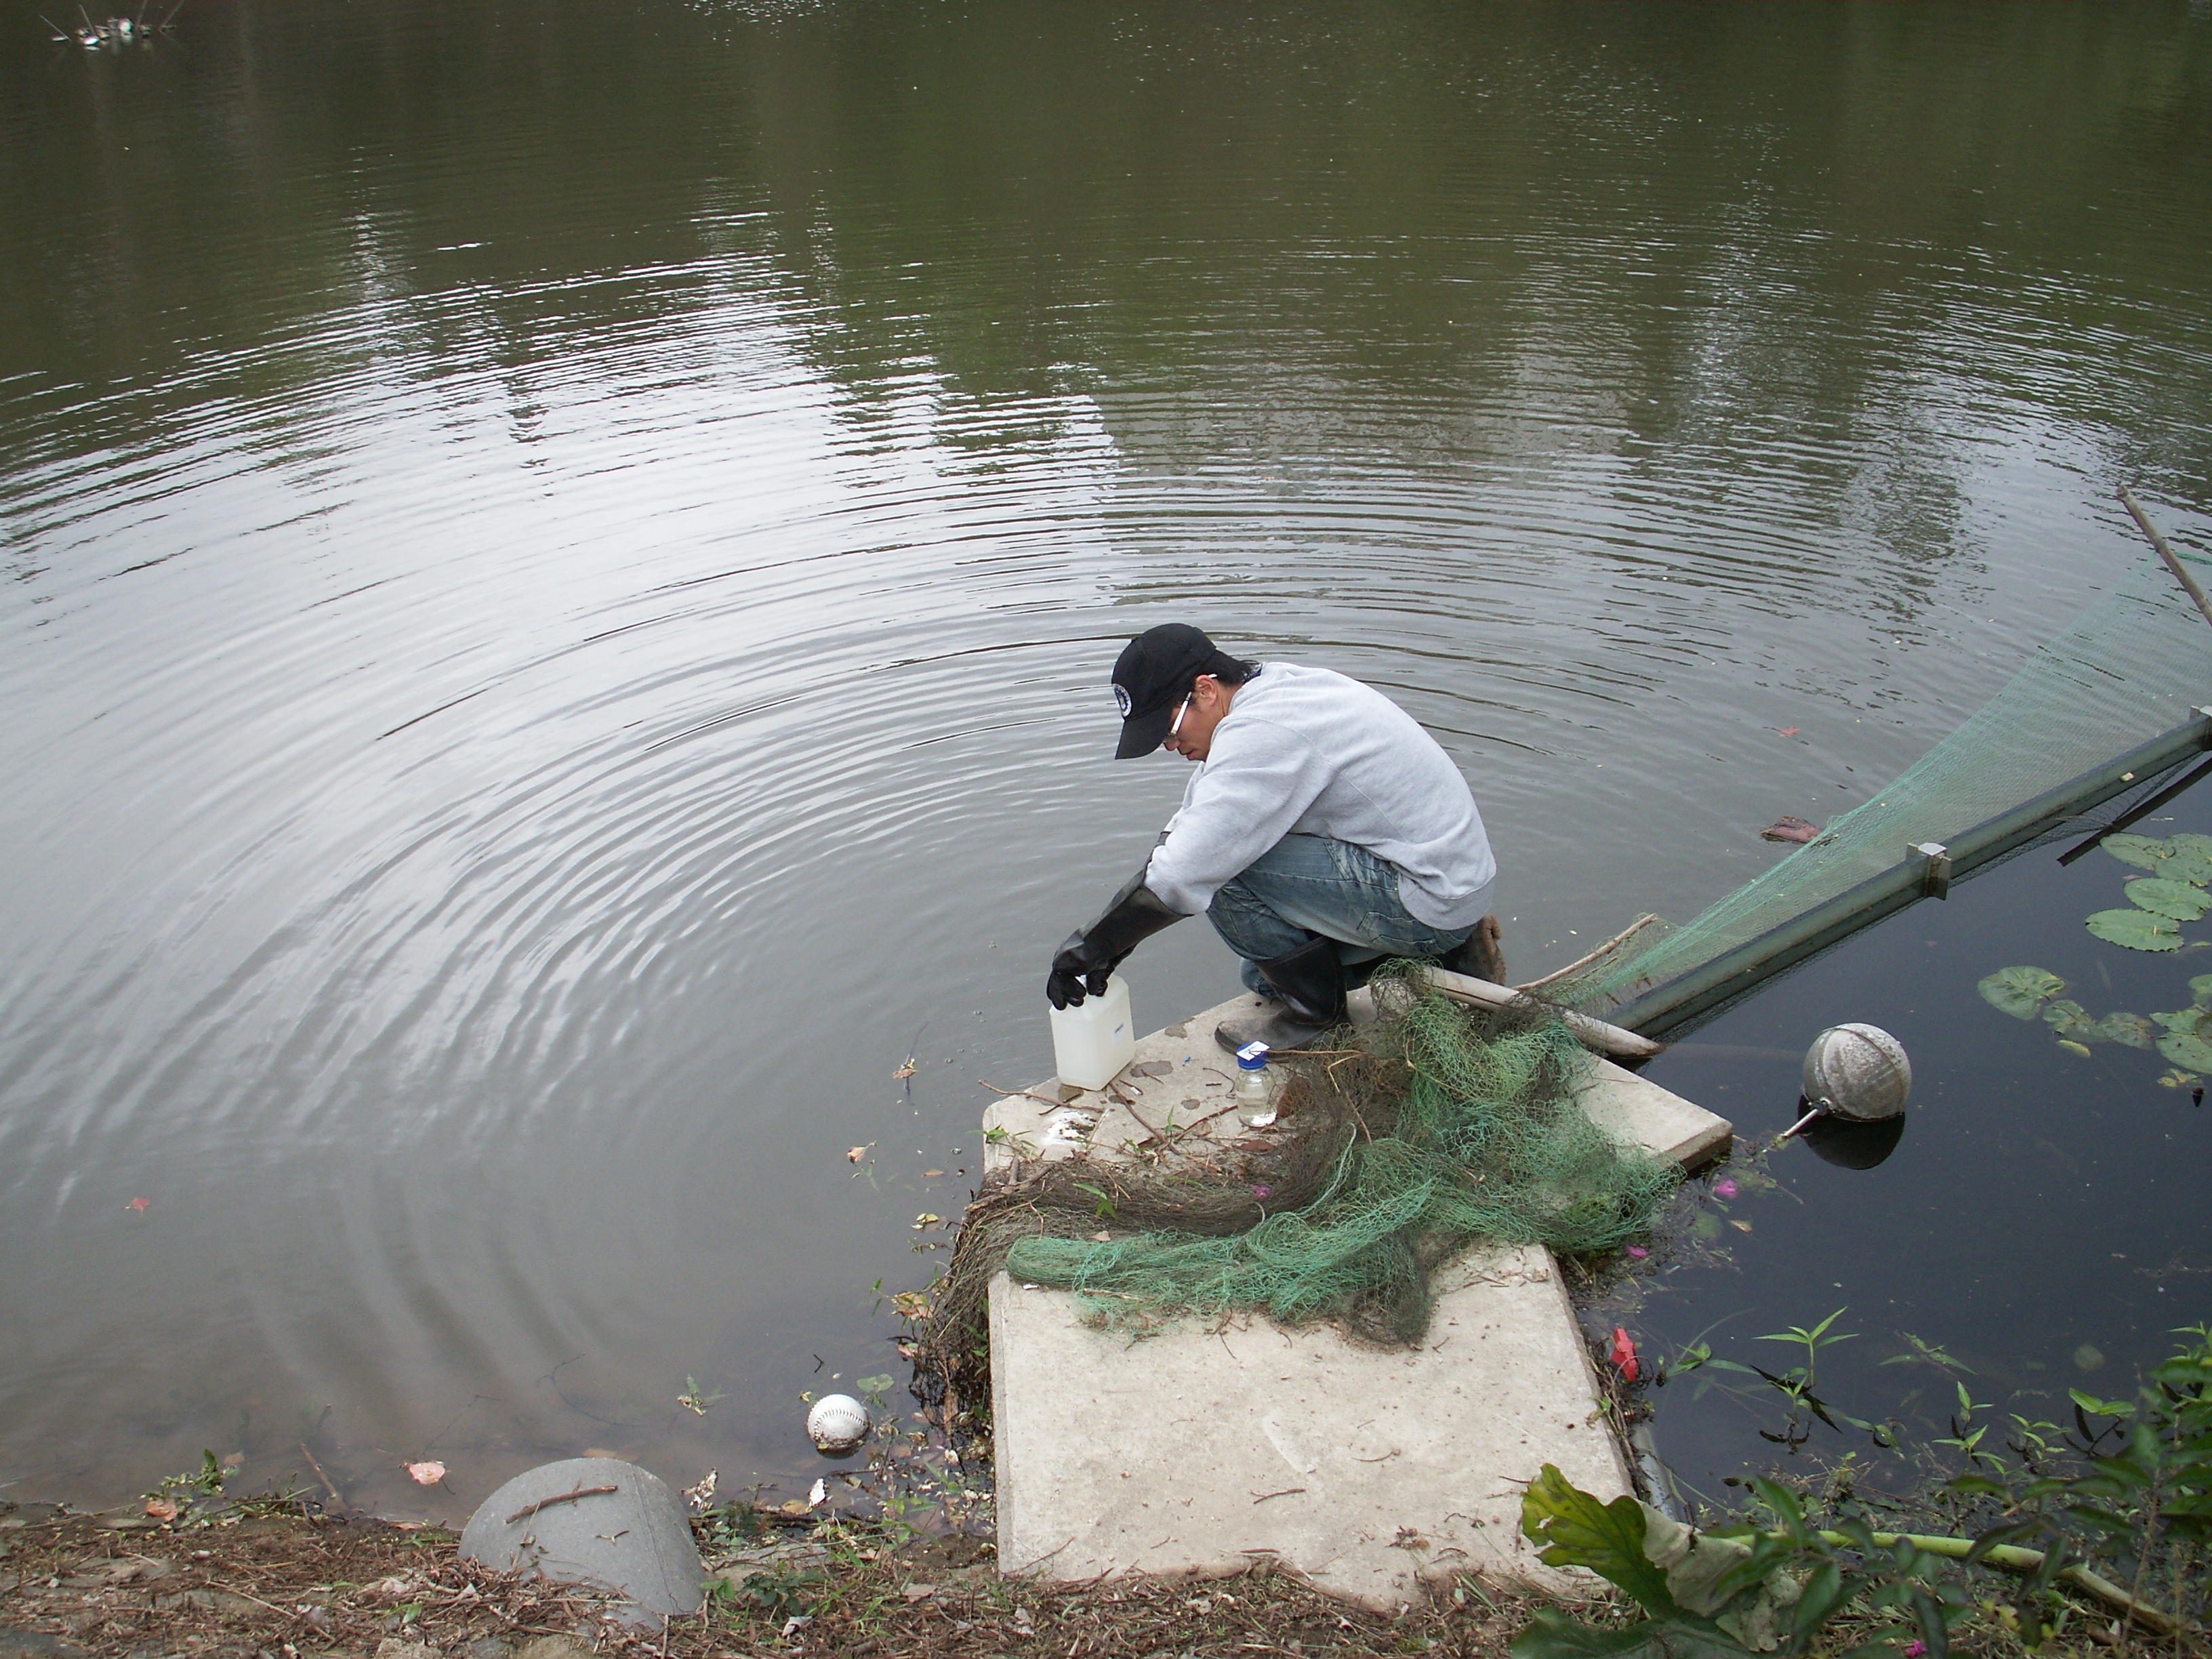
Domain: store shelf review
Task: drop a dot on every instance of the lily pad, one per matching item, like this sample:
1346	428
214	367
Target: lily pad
2067	1017
2073	1048
2188	844
2181	900
2193	1052
2190	1022
2144	851
2129	1030
2138	929
2021	991
2201	989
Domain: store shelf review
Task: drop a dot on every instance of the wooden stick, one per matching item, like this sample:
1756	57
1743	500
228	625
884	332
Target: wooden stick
1594	1033
1024	1094
1605	949
335	1497
2025	1560
525	1513
2165	552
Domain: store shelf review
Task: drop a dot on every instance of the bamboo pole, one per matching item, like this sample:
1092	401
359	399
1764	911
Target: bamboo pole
1605	949
2017	1560
1594	1033
2166	551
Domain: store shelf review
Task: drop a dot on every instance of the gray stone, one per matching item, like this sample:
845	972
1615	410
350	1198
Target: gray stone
633	1540
35	1645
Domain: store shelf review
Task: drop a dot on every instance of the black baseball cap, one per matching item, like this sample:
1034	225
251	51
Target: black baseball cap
1153	676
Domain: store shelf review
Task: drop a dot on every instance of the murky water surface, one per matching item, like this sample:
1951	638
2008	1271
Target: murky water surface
2041	1223
561	562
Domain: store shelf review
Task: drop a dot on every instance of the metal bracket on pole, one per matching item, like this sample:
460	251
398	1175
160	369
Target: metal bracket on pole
1935	873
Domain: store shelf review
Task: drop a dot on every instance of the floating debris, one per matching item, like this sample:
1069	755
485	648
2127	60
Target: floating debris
1790	828
838	1424
111	34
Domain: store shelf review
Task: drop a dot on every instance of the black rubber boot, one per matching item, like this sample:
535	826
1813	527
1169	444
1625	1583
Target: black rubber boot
1309	982
1481	954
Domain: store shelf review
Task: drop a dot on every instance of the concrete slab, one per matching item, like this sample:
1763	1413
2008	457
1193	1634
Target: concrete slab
1368	1470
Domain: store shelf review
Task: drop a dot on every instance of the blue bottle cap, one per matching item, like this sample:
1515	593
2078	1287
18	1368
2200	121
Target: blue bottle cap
1252	1056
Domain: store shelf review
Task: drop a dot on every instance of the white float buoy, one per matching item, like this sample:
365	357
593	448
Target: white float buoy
838	1423
1857	1073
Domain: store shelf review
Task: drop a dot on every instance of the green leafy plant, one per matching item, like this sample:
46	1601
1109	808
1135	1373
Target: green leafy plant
2180	858
2138	930
695	1400
2184	901
2019	992
1713	1596
780	1594
2135	1492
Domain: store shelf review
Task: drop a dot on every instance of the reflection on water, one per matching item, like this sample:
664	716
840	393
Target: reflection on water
561	564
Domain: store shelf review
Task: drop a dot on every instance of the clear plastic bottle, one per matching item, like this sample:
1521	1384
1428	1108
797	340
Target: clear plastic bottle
1255	1086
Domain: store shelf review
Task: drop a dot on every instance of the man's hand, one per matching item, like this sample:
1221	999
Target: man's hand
1083	964
1076	971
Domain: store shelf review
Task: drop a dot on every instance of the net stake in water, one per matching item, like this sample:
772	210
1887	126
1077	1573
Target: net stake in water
2165	551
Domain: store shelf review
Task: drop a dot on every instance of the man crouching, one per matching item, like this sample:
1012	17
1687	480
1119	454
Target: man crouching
1321	831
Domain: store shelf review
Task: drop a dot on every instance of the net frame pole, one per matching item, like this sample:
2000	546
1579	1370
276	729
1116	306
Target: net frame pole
1705	991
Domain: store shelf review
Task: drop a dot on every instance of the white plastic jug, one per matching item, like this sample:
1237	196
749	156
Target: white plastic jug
1091	1043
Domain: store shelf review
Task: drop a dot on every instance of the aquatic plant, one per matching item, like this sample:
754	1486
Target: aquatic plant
2136	930
2019	992
2123	1513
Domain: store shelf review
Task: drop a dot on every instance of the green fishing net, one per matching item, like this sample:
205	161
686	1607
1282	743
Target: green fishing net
1435	1126
2132	666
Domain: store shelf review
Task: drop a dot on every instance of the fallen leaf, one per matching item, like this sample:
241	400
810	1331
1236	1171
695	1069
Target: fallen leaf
793	1506
426	1474
2073	1048
139	1203
904	1070
1790	828
1745	1226
926	1219
1788	731
161	1509
1624	1354
820	1491
931	1175
856	1154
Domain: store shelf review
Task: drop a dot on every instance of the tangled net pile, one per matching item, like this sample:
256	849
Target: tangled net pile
1442	1126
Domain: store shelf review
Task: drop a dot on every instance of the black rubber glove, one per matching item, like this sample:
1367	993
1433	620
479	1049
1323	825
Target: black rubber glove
1082	965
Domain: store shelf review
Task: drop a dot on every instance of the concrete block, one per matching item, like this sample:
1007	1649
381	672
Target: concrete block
1366	1470
635	1539
1202	1448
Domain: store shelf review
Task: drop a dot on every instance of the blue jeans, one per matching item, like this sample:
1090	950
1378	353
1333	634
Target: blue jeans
1305	886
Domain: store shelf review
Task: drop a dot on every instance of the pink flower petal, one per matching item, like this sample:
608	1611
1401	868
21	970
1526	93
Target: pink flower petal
427	1474
1724	1188
1636	1252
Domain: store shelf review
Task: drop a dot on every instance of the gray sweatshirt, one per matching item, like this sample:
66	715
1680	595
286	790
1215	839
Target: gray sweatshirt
1309	752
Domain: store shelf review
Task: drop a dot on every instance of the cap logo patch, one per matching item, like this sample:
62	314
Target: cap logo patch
1121	700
